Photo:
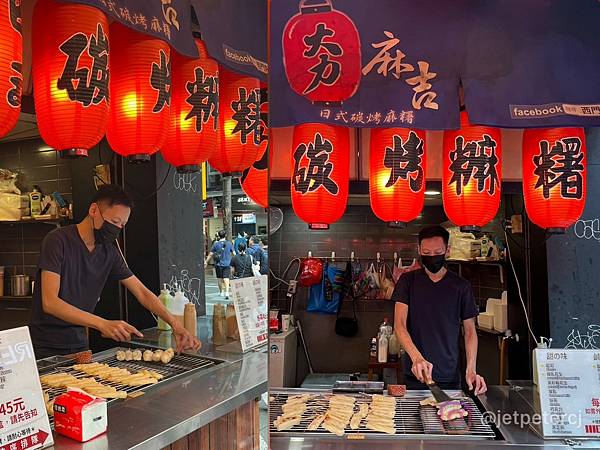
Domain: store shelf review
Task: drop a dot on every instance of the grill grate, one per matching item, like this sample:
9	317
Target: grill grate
180	365
411	419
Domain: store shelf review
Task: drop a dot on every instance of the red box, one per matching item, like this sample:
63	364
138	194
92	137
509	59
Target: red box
79	415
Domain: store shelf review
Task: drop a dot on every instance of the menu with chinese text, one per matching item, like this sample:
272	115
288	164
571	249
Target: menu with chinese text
569	391
250	299
23	418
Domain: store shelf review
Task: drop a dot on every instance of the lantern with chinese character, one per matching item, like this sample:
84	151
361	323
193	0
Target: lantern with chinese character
239	123
554	176
255	179
472	174
70	75
11	62
320	173
321	53
194	131
140	89
397	174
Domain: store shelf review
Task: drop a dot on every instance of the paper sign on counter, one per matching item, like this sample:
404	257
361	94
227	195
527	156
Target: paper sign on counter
23	418
250	299
569	392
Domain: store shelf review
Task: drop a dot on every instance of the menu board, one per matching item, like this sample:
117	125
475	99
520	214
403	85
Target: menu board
23	417
569	391
250	300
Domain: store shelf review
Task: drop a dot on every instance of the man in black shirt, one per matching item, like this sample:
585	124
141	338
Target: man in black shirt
74	265
431	306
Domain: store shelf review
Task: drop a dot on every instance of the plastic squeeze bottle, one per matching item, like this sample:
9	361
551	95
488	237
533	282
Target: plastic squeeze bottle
166	299
178	306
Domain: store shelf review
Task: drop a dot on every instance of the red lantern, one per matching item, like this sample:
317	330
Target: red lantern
472	174
194	130
397	174
320	173
239	121
11	63
140	87
70	75
321	54
554	176
255	179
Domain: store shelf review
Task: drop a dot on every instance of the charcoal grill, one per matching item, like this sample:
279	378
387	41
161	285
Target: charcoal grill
411	419
180	365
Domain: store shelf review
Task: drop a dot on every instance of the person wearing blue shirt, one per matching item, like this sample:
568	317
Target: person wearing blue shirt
221	253
240	239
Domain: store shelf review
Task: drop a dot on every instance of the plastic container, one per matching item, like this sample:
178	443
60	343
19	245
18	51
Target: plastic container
166	299
178	306
35	199
393	348
373	347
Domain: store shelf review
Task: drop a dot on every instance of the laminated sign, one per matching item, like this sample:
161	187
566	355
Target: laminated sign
569	392
250	300
23	418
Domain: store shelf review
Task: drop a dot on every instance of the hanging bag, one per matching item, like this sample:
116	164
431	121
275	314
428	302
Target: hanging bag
311	272
386	284
397	271
324	297
347	326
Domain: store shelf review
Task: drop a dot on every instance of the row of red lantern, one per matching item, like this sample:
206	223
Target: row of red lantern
554	176
82	91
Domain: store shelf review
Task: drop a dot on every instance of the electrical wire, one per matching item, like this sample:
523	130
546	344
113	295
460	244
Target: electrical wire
518	286
281	280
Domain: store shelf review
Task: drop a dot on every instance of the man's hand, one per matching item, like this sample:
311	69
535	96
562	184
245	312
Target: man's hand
422	369
118	330
475	381
184	340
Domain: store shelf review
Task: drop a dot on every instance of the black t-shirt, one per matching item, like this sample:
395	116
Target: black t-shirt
435	315
242	265
83	275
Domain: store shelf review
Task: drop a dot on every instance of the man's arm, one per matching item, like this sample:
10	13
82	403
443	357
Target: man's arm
52	304
473	380
151	302
421	368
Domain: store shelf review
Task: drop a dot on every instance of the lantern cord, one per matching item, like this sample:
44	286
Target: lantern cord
519	287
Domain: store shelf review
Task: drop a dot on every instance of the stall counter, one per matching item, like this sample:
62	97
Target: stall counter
212	409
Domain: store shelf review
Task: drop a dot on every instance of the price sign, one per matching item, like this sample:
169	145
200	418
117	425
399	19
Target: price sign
23	417
250	299
569	392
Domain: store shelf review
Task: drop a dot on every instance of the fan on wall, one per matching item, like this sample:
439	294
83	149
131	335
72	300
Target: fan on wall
275	219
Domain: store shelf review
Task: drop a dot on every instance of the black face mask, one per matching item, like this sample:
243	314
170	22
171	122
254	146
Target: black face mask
108	232
433	263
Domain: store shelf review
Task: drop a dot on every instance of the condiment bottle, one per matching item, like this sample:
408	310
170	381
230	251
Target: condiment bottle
393	348
373	347
178	305
190	319
166	299
382	353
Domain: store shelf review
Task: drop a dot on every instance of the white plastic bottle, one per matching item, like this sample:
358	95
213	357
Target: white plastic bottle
178	305
166	299
382	348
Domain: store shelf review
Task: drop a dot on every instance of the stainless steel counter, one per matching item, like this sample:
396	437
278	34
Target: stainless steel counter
498	399
166	413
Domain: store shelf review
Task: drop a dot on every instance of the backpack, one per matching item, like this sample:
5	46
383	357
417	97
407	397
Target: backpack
218	255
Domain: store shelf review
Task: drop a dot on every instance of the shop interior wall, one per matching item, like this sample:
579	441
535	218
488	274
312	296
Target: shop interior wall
20	243
360	231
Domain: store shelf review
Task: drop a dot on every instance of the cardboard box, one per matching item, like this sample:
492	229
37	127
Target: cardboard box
80	416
